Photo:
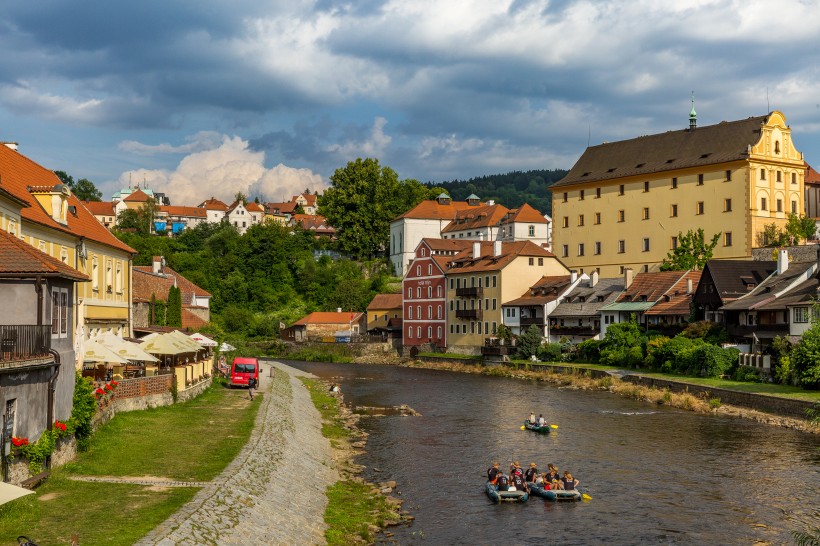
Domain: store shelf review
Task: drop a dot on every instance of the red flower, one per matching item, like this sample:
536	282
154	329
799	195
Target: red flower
114	383
109	388
99	392
60	426
18	442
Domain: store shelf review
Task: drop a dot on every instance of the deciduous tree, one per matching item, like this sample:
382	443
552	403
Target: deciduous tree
692	251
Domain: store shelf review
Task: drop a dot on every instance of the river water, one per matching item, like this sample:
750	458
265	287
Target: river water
655	475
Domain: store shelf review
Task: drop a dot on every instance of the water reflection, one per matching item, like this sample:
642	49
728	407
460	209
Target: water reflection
656	475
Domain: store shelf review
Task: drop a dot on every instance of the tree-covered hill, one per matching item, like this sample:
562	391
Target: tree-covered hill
511	189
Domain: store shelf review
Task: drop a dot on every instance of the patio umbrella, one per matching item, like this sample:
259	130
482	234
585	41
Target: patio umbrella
186	341
10	492
202	340
226	348
126	349
165	345
97	352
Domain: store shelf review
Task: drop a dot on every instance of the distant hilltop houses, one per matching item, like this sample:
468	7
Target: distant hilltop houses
173	219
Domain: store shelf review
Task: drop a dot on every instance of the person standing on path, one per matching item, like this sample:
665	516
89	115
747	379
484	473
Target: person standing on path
251	387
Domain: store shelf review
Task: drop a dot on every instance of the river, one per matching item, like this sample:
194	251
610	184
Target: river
656	475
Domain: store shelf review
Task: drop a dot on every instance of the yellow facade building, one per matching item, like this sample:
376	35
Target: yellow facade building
482	278
625	204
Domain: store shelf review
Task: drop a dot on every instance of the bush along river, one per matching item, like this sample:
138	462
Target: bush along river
656	475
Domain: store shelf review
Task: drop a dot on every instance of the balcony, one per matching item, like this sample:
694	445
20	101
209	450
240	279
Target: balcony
472	292
20	344
526	322
574	331
474	314
761	330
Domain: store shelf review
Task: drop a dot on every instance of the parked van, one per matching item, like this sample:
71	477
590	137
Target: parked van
242	369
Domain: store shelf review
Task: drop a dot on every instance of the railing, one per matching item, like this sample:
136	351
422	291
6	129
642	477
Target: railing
22	342
574	331
529	321
469	313
473	291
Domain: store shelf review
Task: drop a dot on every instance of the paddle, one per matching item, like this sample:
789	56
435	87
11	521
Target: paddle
585	496
551	426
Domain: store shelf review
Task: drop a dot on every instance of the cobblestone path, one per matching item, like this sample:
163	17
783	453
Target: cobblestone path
274	491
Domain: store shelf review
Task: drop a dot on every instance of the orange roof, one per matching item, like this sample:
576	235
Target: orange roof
476	217
191	321
329	317
138	196
100	208
385	301
652	286
213	204
20	258
812	176
525	213
145	284
465	263
17	172
309	197
254	207
173	210
280	208
676	300
186	287
447	244
433	210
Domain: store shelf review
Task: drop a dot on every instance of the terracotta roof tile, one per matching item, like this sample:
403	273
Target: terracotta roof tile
186	287
280	208
138	196
433	210
191	321
213	204
477	217
465	263
385	301
329	317
100	208
812	177
179	210
17	172
254	207
677	299
20	258
525	213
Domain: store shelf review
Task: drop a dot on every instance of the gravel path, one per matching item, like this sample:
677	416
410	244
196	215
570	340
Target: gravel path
274	491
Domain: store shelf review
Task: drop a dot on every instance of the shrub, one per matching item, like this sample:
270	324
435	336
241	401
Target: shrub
710	332
589	350
746	373
714	403
623	345
550	352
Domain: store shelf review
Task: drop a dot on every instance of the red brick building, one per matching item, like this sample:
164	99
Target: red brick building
424	293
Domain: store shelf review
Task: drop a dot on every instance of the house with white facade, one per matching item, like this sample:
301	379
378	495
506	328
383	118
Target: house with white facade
238	216
215	210
525	224
577	317
538	302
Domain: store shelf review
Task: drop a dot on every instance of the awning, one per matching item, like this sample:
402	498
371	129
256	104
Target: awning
10	492
125	349
202	340
97	352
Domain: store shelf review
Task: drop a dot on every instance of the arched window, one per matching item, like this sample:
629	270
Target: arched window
418	331
418	314
429	331
418	271
429	291
410	332
424	252
430	269
532	231
410	293
410	312
438	291
777	146
429	311
439	332
439	311
418	291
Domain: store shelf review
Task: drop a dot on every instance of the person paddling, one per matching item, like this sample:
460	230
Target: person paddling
531	474
493	472
552	476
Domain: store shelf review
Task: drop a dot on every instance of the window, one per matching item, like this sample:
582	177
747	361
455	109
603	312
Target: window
430	269
565	221
597	193
621	247
621	216
486	304
597	247
763	204
531	231
532	261
580	219
580	249
646	244
777	146
410	312
429	311
646	213
779	205
409	293
727	205
564	251
673	212
581	195
418	331
418	271
418	292
727	238
59	312
674	244
479	327
439	315
794	178
418	313
439	332
646	186
118	279
565	197
597	218
763	174
794	207
438	291
493	304
675	183
472	327
801	314
700	180
779	176
495	279
429	332
699	208
728	176
621	189
451	305
95	274
540	261
429	292
494	327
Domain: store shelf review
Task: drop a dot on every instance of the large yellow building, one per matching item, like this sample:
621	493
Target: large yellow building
625	204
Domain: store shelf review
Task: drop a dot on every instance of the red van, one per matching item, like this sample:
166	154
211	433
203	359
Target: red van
242	369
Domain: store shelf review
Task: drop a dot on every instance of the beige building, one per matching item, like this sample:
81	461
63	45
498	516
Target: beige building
625	204
482	278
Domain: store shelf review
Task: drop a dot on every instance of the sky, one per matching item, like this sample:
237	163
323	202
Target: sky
208	98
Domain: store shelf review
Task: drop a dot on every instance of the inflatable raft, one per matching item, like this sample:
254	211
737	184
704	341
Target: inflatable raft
535	428
508	496
555	494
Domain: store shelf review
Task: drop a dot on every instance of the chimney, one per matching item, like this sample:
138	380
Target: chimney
593	279
627	277
782	261
476	249
496	248
338	309
573	275
491	202
688	286
156	262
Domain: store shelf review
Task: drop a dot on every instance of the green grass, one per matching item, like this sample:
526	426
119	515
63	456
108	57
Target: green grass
351	509
193	441
328	406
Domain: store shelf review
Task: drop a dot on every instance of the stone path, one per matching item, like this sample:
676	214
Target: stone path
274	491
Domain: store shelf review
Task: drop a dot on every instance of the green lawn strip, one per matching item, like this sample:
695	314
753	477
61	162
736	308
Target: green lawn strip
352	506
351	509
99	513
191	441
772	389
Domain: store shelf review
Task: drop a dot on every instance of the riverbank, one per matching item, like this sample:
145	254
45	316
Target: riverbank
584	381
357	509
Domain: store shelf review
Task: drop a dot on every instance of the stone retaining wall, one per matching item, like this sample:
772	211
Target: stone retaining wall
787	407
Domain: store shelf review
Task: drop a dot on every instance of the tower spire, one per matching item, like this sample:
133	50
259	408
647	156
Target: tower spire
693	116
